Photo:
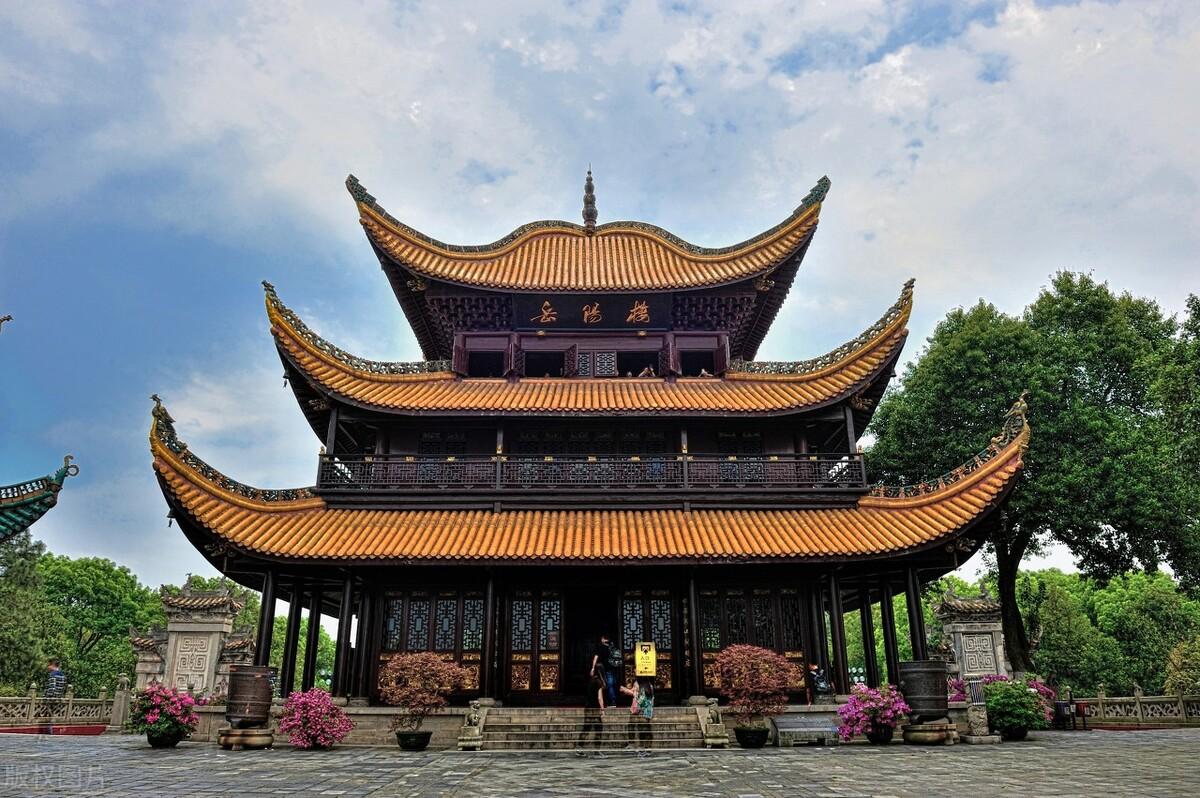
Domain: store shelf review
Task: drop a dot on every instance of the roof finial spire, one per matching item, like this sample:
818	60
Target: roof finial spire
589	203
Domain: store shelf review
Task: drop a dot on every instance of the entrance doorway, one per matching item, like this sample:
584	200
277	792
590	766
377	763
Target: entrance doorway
589	612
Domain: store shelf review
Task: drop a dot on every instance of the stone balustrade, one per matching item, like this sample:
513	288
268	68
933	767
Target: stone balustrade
36	709
1142	709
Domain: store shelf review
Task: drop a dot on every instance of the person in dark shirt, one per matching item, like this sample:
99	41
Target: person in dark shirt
602	658
56	680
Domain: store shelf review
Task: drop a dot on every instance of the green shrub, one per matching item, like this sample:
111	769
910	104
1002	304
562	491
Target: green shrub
1013	705
1183	668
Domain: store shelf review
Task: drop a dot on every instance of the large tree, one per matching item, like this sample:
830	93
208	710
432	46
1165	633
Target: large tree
98	601
30	629
1097	475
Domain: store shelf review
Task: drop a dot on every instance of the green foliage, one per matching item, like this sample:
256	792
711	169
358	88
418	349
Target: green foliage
1183	668
1071	650
97	602
1147	616
325	651
1012	705
1176	390
1097	475
30	629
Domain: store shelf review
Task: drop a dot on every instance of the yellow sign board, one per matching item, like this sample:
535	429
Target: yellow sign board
645	659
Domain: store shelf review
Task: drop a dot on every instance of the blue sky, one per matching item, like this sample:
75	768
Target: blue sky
158	161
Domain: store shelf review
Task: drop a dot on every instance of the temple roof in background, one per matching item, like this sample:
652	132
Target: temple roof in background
26	502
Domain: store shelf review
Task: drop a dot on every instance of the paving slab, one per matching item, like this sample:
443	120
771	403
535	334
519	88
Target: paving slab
1117	763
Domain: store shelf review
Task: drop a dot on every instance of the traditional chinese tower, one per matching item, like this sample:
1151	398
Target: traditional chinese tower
25	502
588	447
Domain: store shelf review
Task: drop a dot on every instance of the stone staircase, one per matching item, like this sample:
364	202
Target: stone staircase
563	728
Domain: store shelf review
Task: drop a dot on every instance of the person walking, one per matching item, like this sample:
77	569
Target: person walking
56	680
603	658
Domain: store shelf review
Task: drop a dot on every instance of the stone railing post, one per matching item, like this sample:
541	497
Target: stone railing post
1137	700
1099	701
69	702
120	705
1182	706
32	701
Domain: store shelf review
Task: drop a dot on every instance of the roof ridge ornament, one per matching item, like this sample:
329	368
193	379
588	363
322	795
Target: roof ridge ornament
3	319
1015	430
815	196
589	204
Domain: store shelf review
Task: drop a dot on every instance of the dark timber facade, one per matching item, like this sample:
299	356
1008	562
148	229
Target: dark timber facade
589	447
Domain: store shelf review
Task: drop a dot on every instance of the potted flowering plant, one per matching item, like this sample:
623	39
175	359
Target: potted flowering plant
418	684
756	681
1015	707
872	712
310	719
165	714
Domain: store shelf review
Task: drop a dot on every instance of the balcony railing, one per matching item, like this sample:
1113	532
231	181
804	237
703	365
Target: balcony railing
421	473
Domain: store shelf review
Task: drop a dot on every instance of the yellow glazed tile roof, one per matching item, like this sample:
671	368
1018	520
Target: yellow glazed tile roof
561	256
301	526
747	387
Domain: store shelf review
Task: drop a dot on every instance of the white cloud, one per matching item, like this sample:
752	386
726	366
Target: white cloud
978	161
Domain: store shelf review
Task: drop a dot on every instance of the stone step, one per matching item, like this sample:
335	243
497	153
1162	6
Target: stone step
631	728
683	741
616	745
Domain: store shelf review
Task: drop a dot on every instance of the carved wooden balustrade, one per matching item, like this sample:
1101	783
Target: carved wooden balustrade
567	472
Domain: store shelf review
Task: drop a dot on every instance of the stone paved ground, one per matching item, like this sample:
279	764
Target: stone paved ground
1146	763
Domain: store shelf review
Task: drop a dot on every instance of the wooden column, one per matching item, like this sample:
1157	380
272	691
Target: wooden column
916	616
487	665
311	641
331	432
837	625
341	655
851	434
362	657
291	639
694	635
266	621
817	608
887	617
866	612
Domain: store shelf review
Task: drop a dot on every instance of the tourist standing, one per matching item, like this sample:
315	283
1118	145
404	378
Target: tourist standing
602	666
56	680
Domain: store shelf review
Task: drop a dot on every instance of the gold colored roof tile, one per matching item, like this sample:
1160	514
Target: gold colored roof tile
561	256
746	388
297	524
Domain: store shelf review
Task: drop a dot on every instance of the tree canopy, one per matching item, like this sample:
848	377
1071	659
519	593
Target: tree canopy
1098	474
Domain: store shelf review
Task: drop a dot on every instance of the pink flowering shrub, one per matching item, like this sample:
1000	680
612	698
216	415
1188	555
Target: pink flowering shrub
957	689
756	682
311	720
870	708
162	710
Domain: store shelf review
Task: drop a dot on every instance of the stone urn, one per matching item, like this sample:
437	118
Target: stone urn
751	736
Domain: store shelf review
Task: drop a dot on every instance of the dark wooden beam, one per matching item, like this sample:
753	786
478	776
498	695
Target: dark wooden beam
291	640
266	621
916	614
866	614
311	641
887	618
341	656
837	626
